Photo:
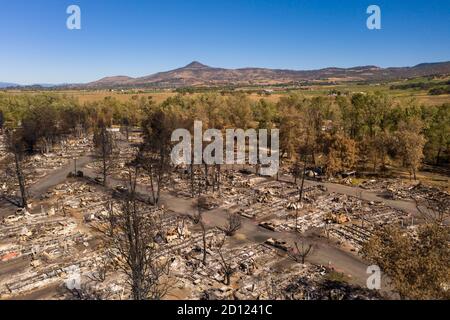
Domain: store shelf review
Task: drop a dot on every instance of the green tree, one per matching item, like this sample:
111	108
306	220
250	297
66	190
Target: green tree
410	144
438	135
340	153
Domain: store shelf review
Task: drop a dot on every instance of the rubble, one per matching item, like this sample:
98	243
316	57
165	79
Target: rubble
37	166
38	237
63	235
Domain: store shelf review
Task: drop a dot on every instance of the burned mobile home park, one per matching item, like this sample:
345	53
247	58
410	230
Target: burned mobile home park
206	231
307	157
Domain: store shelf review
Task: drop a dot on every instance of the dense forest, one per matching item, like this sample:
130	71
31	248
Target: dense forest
361	131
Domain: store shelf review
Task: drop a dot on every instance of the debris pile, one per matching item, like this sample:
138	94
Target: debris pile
46	244
38	166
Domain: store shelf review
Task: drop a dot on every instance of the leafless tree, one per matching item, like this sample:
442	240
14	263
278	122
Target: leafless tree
300	171
15	146
233	224
198	219
192	178
216	178
87	293
296	171
125	127
200	204
303	173
300	253
206	176
105	145
202	225
434	210
227	269
157	168
131	236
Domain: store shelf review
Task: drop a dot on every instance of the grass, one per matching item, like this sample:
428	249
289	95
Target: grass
337	277
433	176
422	97
357	181
432	179
158	97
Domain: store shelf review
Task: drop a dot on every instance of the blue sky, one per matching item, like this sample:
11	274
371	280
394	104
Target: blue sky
138	37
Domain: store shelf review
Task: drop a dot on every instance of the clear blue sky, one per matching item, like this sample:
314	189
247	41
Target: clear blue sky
137	38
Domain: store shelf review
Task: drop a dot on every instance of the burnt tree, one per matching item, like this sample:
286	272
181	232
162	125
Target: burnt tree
16	147
105	144
300	253
132	238
233	224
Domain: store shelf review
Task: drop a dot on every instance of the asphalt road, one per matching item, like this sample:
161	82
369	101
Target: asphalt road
57	176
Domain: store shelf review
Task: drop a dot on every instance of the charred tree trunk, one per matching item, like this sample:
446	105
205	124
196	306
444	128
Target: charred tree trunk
303	182
204	242
21	180
192	180
105	171
206	176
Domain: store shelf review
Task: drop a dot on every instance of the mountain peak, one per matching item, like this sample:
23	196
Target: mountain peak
198	74
196	65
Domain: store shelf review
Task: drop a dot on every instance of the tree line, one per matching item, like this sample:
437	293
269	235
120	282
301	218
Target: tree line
336	131
366	132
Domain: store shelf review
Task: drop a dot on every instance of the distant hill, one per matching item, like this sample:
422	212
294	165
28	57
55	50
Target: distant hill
7	84
37	86
198	74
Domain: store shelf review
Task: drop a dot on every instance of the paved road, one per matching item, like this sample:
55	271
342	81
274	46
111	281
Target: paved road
408	206
57	176
52	179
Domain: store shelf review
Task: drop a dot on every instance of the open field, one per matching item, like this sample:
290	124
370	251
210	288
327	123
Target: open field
420	95
158	96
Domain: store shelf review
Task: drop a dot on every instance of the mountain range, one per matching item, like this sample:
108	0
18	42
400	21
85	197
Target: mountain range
198	74
7	85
